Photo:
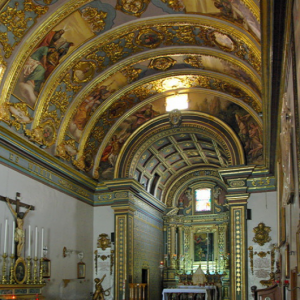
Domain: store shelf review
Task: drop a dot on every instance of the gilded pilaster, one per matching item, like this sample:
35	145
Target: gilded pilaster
238	237
123	247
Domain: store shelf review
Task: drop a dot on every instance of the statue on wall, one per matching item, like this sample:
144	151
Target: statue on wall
19	231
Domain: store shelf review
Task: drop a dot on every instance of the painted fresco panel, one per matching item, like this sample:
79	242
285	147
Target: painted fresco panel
231	10
49	53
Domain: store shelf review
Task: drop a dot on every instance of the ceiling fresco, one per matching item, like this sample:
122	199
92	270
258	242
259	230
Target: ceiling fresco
81	79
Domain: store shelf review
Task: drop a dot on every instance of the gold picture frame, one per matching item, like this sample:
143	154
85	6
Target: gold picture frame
20	271
46	263
81	270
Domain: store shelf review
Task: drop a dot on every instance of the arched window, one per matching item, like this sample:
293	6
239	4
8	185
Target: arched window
203	200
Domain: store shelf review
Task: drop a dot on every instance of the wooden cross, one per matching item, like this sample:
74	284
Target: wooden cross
17	203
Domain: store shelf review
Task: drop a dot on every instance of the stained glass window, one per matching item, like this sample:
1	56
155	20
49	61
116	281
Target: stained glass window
203	199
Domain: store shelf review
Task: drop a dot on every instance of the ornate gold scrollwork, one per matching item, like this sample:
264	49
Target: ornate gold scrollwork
131	73
16	22
132	7
261	254
45	134
251	258
195	61
175	118
94	18
103	241
162	63
66	150
261	234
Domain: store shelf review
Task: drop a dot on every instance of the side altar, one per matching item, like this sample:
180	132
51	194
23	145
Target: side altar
22	275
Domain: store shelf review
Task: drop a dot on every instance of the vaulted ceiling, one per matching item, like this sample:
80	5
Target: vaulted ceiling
83	80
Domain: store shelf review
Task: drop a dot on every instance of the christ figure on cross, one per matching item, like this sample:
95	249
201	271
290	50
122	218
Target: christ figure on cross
19	232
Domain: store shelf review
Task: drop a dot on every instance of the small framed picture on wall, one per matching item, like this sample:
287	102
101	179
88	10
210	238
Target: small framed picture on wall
81	270
46	263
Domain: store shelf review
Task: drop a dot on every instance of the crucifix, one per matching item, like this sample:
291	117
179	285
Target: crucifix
20	216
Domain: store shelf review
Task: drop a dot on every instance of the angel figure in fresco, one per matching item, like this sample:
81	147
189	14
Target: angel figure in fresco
19	231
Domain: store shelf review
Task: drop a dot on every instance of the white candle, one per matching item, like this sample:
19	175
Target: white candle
5	236
13	239
29	241
42	246
36	237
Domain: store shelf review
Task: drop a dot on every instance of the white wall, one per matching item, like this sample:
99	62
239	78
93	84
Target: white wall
66	221
264	209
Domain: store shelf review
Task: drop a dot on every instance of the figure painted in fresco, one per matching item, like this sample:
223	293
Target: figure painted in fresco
255	143
251	137
185	202
143	115
86	109
52	38
112	150
34	74
235	11
41	64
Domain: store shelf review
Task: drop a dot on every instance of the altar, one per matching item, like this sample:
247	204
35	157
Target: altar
191	292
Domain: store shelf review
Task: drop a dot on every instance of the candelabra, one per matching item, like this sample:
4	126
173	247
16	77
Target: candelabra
4	280
11	281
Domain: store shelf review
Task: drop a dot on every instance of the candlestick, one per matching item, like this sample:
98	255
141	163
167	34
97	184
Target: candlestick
5	236
29	241
13	240
36	237
28	281
41	281
4	280
42	246
34	281
11	281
